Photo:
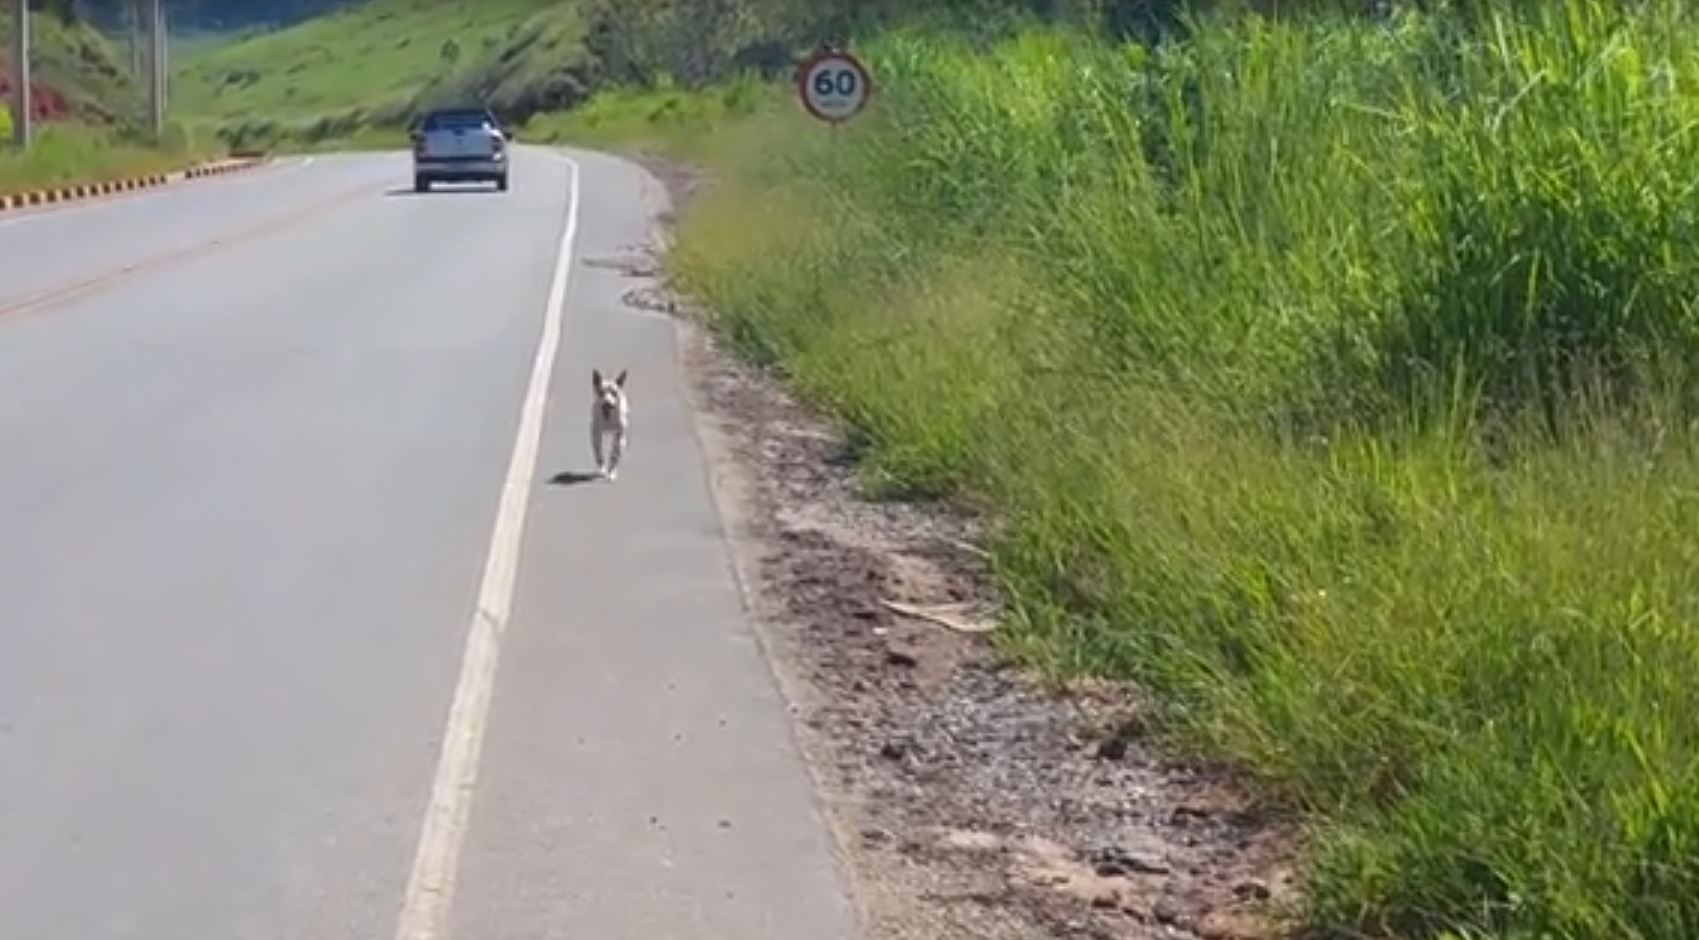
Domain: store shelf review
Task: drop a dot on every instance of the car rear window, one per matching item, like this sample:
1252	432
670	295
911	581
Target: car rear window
443	120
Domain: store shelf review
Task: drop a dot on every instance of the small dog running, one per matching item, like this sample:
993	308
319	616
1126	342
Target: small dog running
610	418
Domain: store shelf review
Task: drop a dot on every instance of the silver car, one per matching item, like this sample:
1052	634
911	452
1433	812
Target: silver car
455	145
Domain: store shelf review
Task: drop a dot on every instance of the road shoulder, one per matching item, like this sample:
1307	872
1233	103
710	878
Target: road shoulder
640	776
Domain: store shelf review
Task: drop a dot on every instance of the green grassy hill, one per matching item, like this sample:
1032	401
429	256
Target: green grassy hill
373	64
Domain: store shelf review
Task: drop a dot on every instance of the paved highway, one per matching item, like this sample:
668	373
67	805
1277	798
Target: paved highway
299	641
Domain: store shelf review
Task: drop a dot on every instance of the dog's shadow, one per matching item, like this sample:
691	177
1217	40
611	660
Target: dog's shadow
575	478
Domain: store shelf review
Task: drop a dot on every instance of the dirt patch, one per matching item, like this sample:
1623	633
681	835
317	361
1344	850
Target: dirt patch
969	799
680	182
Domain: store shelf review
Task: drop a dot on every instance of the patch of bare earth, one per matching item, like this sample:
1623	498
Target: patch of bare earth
969	799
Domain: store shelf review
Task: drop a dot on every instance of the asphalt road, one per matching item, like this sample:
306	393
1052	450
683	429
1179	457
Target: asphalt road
257	447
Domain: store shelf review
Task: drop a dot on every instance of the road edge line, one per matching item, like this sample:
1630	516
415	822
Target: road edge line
430	885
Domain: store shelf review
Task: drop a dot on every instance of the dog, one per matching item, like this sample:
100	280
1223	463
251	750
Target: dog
610	420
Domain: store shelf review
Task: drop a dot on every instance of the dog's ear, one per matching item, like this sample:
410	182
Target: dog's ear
620	380
596	379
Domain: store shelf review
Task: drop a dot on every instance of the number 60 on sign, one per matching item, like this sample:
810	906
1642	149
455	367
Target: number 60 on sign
834	86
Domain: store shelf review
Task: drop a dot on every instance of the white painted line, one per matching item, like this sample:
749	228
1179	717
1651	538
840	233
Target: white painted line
430	888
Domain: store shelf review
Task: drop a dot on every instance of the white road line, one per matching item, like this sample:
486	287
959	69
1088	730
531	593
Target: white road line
424	911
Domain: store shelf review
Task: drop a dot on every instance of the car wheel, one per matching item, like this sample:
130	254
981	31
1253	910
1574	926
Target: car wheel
421	184
501	183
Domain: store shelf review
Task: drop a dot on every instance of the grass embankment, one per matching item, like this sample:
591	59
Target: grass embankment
1334	380
351	78
81	154
97	139
684	123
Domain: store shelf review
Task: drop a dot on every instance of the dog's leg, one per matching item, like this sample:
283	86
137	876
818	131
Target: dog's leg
618	452
596	448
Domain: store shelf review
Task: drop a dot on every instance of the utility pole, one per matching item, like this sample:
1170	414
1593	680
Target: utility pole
164	58
21	105
143	11
156	66
133	20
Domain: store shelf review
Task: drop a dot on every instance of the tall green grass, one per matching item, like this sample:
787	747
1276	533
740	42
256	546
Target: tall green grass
1334	379
70	153
663	117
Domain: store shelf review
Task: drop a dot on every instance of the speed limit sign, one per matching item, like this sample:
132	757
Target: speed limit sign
834	86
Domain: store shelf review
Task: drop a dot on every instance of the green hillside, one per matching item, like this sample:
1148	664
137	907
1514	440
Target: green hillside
374	63
87	68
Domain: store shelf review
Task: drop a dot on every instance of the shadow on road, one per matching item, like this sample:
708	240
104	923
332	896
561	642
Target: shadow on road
574	478
443	190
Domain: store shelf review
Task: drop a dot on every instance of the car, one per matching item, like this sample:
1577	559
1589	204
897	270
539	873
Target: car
455	145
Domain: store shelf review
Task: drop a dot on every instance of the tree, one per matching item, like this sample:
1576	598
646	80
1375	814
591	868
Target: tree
63	10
